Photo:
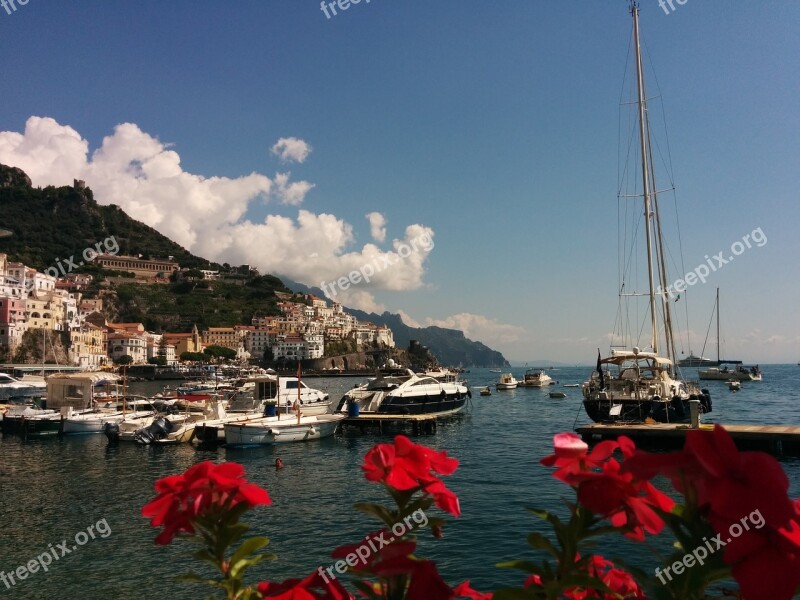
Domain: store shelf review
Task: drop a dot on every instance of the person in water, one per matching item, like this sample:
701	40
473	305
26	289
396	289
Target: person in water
278	463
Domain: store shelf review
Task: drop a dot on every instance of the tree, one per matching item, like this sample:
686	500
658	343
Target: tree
160	361
220	352
194	356
125	359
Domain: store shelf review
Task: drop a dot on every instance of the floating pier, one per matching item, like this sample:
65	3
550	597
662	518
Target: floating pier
780	440
421	424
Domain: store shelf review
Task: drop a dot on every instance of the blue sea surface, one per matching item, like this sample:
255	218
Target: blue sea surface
52	489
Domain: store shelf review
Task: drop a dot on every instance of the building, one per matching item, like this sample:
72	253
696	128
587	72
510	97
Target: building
185	342
13	324
257	340
88	346
141	268
227	337
127	344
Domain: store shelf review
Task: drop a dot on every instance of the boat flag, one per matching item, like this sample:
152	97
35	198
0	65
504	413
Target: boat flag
600	371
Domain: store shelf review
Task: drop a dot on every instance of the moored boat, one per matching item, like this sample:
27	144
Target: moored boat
506	382
536	378
406	394
281	430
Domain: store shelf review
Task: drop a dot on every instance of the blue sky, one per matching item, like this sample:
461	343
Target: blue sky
491	127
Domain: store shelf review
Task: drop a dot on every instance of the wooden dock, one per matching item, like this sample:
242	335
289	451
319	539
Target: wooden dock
421	424
780	440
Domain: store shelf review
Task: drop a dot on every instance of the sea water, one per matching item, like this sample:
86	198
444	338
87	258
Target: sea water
55	494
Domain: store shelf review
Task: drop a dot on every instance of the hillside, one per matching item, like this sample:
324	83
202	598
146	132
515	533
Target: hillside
51	223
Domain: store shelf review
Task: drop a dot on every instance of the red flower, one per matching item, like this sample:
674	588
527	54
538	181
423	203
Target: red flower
733	488
621	583
202	489
408	466
604	489
463	590
313	587
403	464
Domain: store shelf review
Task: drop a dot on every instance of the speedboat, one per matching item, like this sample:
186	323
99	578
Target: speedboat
558	394
486	391
11	387
536	378
734	385
406	394
507	382
312	402
280	430
726	373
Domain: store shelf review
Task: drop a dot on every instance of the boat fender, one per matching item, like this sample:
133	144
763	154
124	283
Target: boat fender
274	432
677	404
469	393
705	401
443	394
311	430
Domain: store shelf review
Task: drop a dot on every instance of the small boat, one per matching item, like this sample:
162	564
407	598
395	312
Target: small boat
726	373
27	387
486	391
536	378
558	395
734	385
276	430
500	371
572	385
507	382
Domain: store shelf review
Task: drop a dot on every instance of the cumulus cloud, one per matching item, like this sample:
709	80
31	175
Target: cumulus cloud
291	192
209	215
377	226
291	149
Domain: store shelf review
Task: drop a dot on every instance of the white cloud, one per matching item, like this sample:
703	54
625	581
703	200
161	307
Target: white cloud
408	319
209	215
291	149
480	328
293	192
377	226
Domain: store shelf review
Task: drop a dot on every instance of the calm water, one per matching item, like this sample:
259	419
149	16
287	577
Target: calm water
51	489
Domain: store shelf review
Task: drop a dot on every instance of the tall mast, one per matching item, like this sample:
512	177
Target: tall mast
717	326
643	138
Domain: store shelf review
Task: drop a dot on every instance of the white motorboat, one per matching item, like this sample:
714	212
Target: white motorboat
312	402
725	373
280	430
507	382
558	394
89	422
11	387
405	394
536	378
486	391
734	385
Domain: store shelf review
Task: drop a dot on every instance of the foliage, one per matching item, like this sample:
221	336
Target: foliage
220	352
160	361
125	359
194	356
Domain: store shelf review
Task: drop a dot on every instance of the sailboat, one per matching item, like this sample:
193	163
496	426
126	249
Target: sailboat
722	372
634	384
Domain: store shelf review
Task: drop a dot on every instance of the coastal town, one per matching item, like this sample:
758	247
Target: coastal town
306	327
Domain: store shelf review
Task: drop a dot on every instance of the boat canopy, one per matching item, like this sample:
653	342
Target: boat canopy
619	357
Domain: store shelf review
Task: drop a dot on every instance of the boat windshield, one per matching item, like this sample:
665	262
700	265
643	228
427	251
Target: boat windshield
384	383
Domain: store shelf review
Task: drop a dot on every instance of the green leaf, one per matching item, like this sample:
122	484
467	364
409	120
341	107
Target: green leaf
247	548
520	565
376	510
537	540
